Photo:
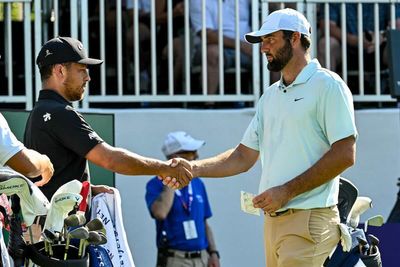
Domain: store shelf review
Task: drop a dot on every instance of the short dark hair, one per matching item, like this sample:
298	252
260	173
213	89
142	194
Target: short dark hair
304	39
46	71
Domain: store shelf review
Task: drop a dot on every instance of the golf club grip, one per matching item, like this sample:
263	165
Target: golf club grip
84	193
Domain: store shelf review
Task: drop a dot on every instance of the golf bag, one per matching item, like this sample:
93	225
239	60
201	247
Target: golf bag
362	253
27	203
36	253
99	257
394	216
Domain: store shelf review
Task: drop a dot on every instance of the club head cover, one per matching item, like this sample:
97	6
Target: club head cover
345	237
348	194
359	207
33	201
85	194
61	204
73	186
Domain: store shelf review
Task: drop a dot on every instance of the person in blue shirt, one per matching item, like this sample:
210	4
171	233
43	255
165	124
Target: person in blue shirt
184	238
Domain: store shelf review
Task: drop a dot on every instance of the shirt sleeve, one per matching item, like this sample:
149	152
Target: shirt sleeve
153	189
196	15
9	144
251	137
336	112
71	129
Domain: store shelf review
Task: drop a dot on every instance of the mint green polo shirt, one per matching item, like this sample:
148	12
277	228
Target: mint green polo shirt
295	126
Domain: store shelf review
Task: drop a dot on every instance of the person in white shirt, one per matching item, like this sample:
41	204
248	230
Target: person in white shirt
25	161
229	35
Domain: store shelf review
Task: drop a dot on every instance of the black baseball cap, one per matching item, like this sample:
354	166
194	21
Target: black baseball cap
62	50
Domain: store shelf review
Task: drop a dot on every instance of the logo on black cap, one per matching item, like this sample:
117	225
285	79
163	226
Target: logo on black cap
62	50
48	53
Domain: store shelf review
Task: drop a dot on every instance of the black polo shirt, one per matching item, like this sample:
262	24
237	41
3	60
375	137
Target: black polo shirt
56	129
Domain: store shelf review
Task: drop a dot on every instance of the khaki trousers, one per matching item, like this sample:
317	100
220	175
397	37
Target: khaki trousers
301	238
180	261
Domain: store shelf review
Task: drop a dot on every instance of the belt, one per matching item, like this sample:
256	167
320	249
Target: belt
183	254
291	211
280	213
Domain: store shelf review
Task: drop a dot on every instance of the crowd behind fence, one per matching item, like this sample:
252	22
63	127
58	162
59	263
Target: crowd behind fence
160	51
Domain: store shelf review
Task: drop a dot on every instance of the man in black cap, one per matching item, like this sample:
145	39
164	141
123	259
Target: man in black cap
56	129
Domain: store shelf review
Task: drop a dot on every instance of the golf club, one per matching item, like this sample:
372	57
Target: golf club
73	220
360	206
94	238
96	225
46	243
79	233
49	238
376	220
362	245
374	242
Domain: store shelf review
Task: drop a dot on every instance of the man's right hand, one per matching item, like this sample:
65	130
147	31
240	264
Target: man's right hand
179	173
48	171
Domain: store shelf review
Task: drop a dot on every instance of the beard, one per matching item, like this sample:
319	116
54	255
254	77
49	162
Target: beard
283	56
73	92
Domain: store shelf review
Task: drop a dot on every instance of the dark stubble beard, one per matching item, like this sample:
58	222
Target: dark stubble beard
72	93
283	55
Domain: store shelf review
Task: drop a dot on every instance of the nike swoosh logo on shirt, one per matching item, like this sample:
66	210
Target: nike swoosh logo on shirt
297	99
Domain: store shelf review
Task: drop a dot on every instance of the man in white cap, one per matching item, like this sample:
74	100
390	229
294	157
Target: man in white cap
184	238
304	132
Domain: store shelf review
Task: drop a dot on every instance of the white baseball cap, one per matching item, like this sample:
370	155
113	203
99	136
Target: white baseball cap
180	141
284	19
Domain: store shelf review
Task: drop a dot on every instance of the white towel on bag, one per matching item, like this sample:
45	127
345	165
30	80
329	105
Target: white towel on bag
107	207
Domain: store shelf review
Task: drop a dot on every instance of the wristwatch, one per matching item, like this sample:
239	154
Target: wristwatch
210	252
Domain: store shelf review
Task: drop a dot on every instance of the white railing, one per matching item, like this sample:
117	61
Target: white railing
120	81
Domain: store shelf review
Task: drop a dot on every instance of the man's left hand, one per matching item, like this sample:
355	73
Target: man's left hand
213	261
97	189
272	199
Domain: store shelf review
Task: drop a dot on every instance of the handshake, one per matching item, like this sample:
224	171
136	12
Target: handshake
177	174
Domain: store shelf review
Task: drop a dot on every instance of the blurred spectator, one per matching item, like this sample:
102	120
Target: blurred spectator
275	6
144	42
162	41
184	235
229	32
161	13
352	35
111	42
111	18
